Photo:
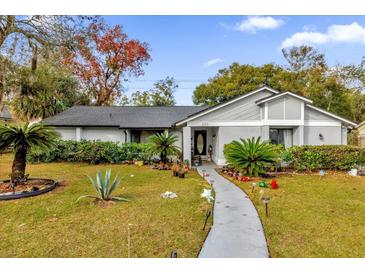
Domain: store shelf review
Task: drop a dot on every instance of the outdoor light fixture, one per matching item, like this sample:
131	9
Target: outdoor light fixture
321	137
266	201
207	215
253	187
129	240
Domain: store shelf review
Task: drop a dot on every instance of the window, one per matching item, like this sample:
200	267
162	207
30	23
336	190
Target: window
136	136
283	136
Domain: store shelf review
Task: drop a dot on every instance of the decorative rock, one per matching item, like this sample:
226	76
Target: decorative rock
169	195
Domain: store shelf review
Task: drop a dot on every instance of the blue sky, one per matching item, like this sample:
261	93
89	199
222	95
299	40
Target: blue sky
192	48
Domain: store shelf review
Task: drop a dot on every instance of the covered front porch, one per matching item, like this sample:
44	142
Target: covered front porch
207	142
200	142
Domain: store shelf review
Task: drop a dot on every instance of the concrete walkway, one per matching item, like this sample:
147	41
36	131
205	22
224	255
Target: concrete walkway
237	230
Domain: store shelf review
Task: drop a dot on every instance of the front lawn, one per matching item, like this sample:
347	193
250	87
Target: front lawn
54	225
313	217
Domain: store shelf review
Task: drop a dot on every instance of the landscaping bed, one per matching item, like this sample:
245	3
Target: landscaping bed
31	187
55	225
312	215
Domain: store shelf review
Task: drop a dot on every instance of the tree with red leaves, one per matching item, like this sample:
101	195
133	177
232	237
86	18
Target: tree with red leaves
104	57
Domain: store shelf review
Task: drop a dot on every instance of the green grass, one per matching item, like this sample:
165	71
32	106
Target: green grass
54	225
313	217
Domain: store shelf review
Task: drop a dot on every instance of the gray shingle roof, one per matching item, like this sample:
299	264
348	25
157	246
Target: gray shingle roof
124	117
5	113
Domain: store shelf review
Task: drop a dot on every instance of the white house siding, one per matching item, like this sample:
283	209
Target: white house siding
314	115
67	133
178	134
284	108
242	110
292	108
228	134
103	134
331	135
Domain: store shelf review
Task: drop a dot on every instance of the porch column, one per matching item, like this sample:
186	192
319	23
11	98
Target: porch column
301	135
265	133
187	144
78	134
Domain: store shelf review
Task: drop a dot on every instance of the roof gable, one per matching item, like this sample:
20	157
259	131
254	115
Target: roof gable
227	103
5	113
286	93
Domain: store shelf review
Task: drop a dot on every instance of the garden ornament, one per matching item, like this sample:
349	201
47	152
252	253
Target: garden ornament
266	201
322	173
353	172
274	184
262	184
253	187
262	192
207	193
168	195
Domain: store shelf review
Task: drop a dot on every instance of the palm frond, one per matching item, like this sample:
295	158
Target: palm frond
251	156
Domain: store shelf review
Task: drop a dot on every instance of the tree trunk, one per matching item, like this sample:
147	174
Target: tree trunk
163	158
19	163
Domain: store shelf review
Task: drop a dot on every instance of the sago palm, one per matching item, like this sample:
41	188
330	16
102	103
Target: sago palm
163	144
251	156
104	187
23	138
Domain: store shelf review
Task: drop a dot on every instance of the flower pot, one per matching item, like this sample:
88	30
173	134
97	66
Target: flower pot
182	175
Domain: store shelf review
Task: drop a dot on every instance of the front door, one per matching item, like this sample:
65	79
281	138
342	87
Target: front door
200	142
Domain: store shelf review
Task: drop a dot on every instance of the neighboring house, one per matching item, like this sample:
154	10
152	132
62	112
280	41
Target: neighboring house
281	117
361	129
5	115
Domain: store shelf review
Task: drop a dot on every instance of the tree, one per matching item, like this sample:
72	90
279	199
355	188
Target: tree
27	37
43	93
141	98
102	58
304	58
239	79
23	138
163	144
161	95
338	89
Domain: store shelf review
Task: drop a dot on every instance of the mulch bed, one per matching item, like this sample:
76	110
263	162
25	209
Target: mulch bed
27	186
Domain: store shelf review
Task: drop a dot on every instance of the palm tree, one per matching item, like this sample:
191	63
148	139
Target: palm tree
164	145
22	138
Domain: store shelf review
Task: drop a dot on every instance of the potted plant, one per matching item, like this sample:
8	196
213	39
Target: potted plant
175	170
182	173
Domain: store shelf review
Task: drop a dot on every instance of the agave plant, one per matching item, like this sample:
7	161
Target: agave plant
251	156
104	187
164	145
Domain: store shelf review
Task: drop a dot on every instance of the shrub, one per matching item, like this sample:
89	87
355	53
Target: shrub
251	156
92	152
335	157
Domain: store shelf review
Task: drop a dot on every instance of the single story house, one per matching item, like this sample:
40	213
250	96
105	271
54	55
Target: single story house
281	117
361	130
5	115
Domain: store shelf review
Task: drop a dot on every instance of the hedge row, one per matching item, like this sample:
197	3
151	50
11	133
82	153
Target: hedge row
335	157
92	152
